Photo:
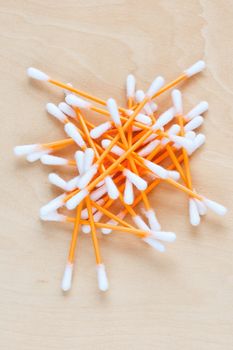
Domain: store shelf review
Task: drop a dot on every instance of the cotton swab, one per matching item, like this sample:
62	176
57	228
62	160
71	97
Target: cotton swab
128	192
101	273
39	75
158	235
67	277
130	89
193	210
53	160
53	110
188	73
58	181
66	109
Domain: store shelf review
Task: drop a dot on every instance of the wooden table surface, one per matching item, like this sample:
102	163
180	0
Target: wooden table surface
178	300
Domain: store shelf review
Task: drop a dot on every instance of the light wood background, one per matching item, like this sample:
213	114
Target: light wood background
179	300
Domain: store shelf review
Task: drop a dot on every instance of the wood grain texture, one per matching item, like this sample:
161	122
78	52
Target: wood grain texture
179	300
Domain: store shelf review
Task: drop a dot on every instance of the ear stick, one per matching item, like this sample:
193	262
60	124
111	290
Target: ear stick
101	273
159	235
39	75
67	278
193	208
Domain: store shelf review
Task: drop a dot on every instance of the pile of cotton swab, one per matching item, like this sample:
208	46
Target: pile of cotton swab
122	159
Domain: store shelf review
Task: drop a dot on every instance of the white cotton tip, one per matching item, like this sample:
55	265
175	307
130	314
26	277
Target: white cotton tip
53	160
130	85
76	199
100	130
193	213
199	140
98	193
65	108
201	108
140	223
77	102
67	277
194	123
139	96
215	207
89	155
135	128
53	216
164	119
99	184
97	216
128	192
73	183
102	278
154	244
113	110
144	119
138	182
87	177
37	74
153	221
115	149
86	229
32	157
84	213
73	132
53	205
201	207
156	169
149	107
111	188
107	231
26	149
177	101
155	86
149	139
183	142
79	159
191	135
195	68
148	148
57	181
197	143
174	175
174	130
153	106
164	236
112	222
53	110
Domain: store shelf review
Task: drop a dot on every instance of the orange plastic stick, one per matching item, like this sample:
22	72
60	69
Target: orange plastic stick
75	234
